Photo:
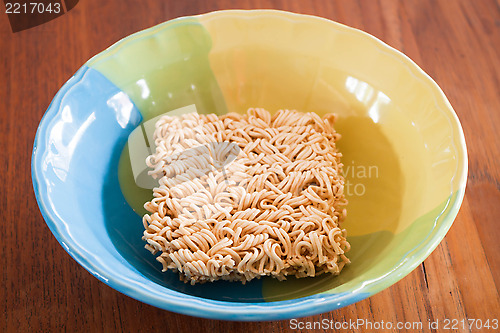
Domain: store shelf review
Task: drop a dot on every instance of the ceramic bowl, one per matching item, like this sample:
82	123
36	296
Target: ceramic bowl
405	157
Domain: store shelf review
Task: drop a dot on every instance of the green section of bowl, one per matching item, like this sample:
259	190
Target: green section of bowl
164	68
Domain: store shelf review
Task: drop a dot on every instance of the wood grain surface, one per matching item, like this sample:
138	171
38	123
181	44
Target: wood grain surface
456	42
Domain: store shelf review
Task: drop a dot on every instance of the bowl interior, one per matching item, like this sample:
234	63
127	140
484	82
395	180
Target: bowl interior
402	146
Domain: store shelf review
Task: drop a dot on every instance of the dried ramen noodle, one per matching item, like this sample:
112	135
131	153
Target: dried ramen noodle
243	196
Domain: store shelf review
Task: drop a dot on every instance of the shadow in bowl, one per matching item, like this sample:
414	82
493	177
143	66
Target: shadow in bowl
374	187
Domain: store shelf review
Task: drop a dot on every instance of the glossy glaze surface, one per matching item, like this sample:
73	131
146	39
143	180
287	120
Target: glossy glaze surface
392	116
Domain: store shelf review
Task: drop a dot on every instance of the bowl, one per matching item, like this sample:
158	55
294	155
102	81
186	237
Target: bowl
404	153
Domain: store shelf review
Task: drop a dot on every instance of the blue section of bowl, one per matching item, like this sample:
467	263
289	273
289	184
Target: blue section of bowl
79	145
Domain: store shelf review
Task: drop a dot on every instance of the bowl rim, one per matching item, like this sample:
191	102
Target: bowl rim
274	310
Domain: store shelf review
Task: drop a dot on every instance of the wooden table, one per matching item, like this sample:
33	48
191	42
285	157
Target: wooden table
456	42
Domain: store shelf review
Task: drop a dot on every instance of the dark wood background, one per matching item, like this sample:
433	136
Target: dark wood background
456	42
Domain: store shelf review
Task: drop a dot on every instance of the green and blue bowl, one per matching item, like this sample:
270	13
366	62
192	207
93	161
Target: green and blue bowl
405	158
